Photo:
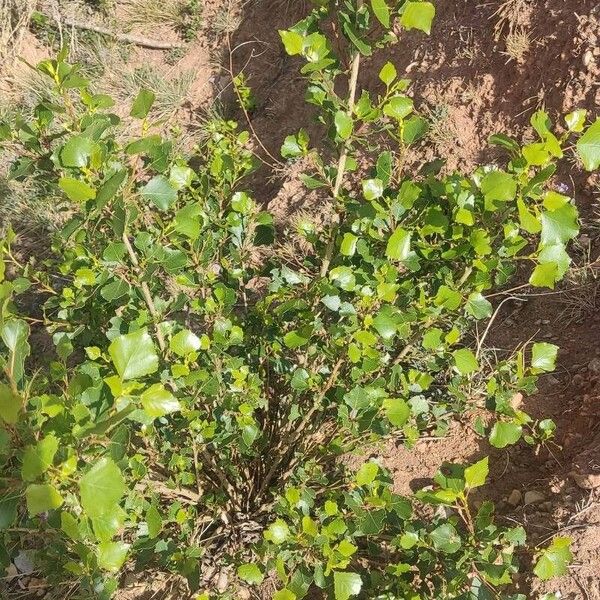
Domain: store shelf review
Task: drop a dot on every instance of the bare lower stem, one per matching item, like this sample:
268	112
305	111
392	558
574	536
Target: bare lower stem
290	444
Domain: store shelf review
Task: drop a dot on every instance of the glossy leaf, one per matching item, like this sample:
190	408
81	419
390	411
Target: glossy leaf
157	401
134	355
588	146
505	434
346	585
418	15
381	11
554	560
160	192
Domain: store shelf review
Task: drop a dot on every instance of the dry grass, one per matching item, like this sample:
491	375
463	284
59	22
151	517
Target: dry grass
510	14
513	26
518	44
156	12
442	129
171	91
14	18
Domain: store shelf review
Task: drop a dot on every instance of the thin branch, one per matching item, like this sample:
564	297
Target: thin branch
146	293
341	170
241	103
299	430
121	37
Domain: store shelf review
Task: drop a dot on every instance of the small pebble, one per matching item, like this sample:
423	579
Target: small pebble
533	497
515	498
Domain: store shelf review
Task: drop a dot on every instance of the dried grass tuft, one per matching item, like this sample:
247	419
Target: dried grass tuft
14	19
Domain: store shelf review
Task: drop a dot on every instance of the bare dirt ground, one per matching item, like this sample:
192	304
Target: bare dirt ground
486	68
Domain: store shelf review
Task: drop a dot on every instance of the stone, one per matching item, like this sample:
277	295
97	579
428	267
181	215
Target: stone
594	365
590	481
533	497
515	498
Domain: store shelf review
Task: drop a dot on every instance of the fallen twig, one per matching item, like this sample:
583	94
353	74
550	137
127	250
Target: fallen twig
121	37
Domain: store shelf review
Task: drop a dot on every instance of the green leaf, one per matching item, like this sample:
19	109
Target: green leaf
160	192
157	401
560	225
445	538
42	498
284	595
476	474
543	356
112	555
278	532
10	404
76	190
388	73
384	168
367	473
382	12
346	584
414	129
398	107
142	104
527	219
115	290
8	510
576	120
154	522
293	42
291	148
109	524
554	560
588	147
465	361
372	189
499	186
505	434
544	275
101	488
250	573
361	44
189	220
184	342
77	151
478	306
396	410
181	177
398	246
38	459
343	125
134	355
294	340
386	322
418	15
348	245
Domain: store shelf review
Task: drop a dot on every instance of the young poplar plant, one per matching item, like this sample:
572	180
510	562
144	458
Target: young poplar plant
204	388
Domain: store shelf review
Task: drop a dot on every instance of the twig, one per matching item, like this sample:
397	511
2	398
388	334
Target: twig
291	444
227	486
241	103
146	293
491	322
341	170
121	37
